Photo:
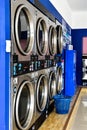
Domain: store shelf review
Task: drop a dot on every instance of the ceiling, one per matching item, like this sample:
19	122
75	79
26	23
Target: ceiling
77	5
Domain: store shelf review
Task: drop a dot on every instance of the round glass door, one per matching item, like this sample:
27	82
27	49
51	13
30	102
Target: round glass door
24	30
42	92
52	41
59	39
42	42
52	84
24	105
59	79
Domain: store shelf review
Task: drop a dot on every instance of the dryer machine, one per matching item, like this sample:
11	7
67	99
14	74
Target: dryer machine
41	98
41	34
23	102
52	87
23	25
52	43
41	38
23	29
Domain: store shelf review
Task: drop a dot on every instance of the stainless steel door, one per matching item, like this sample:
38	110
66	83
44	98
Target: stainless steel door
24	105
41	37
52	84
24	29
41	92
52	40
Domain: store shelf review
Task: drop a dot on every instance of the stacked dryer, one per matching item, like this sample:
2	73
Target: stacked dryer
42	50
34	74
52	43
29	86
23	85
60	68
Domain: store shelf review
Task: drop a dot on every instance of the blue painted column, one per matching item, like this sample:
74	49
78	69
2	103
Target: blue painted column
7	65
4	64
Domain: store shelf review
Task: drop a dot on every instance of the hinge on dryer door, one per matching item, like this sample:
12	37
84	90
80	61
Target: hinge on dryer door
8	45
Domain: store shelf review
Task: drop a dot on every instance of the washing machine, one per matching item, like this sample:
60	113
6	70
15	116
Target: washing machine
23	102
52	87
59	37
41	98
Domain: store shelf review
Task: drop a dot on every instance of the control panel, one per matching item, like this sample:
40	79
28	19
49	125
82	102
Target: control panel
24	67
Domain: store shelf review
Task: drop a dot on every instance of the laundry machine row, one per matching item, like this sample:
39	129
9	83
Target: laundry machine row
29	102
32	97
34	38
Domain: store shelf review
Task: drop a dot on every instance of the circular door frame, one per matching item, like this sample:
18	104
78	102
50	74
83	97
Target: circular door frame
45	36
50	85
52	35
60	80
59	39
30	21
31	109
45	95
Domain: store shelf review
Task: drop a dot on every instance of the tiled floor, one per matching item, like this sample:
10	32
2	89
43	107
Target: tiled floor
80	122
78	119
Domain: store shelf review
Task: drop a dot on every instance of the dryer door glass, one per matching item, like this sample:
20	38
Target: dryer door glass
52	84
42	93
52	41
24	105
42	37
24	30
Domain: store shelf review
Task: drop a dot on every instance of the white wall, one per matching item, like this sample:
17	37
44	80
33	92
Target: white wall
76	20
79	20
63	9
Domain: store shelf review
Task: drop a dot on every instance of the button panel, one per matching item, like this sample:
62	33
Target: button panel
24	67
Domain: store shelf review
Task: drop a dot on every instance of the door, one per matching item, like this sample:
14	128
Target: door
41	36
52	84
42	92
52	40
24	30
24	105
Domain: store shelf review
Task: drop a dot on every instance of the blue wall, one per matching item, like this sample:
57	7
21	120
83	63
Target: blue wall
77	35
